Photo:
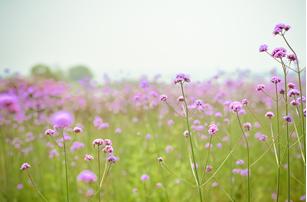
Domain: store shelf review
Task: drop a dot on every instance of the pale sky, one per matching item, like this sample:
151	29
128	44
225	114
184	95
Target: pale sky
129	38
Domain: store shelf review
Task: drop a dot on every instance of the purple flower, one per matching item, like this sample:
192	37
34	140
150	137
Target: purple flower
76	146
49	132
244	172
163	98
240	162
88	157
263	48
144	177
87	176
260	87
288	119
291	85
208	168
278	28
112	159
275	80
279	52
213	129
25	166
98	142
78	129
269	115
236	106
181	78
19	186
247	126
261	137
62	119
291	57
293	93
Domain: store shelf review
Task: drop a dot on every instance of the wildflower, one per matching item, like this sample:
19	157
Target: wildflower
49	132
244	101
9	103
98	142
112	159
244	172
279	52
288	119
293	92
275	80
186	133
19	186
78	130
53	153
88	157
240	162
247	126
180	99
25	166
108	149
236	171
291	57
62	119
181	78
144	177
261	137
235	106
304	112
208	168
263	48
163	98
260	87
282	91
213	129
118	130
294	103
279	28
160	159
159	185
107	142
90	192
87	176
291	85
76	146
269	115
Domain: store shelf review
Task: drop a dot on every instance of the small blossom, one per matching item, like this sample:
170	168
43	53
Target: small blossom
180	99
98	142
247	126
275	80
181	78
87	176
288	119
293	92
78	129
244	101
260	87
144	177
261	137
240	162
269	115
213	129
108	149
279	52
186	133
163	98
25	166
236	106
263	48
62	119
294	102
291	85
19	186
112	159
244	172
49	132
291	57
160	159
88	157
208	168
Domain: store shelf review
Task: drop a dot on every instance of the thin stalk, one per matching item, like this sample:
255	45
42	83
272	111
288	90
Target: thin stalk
248	160
191	144
98	161
301	91
278	143
274	146
207	161
66	172
287	133
35	187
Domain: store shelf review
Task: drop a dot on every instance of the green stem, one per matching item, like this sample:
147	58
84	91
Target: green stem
35	187
248	160
98	159
207	161
278	143
66	169
191	143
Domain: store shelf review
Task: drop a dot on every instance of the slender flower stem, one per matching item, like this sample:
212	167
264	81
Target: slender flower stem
301	91
278	143
66	162
191	143
248	160
35	187
207	161
287	132
98	161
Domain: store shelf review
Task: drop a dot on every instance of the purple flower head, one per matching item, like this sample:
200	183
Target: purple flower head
78	129
144	177
291	57
49	132
9	103
269	115
279	52
186	133
76	146
62	119
98	142
181	78
263	48
25	166
260	87
108	142
180	99
108	149
304	112
288	119
293	93
160	159
244	101
208	168
275	80
244	172
295	102
236	106
112	159
213	129
261	137
163	98
240	162
278	28
88	157
291	85
19	186
247	126
87	176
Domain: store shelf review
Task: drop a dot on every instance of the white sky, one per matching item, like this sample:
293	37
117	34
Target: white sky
129	38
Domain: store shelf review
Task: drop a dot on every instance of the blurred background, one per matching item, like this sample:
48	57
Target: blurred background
127	39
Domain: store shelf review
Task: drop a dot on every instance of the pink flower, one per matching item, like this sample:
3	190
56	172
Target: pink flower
88	157
25	166
213	129
62	119
87	176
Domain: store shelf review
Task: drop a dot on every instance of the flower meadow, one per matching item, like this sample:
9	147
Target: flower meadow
228	138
